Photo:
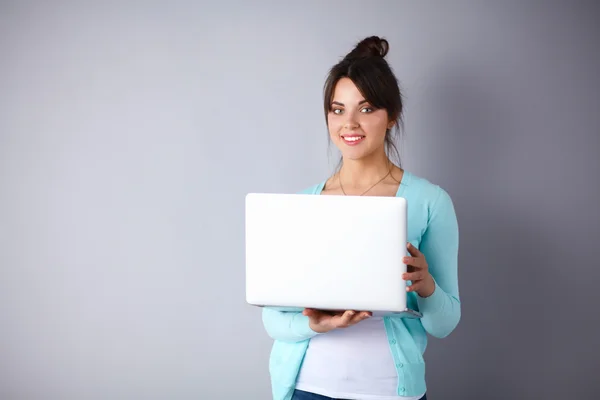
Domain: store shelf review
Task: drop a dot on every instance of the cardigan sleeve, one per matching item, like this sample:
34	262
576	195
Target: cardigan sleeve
441	310
287	326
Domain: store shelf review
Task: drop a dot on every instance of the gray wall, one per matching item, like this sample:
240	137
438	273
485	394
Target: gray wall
130	133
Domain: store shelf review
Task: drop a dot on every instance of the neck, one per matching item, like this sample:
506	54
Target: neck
366	171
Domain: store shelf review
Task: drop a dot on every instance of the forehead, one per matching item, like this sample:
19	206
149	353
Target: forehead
345	88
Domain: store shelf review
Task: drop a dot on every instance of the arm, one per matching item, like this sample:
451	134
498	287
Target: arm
441	310
287	326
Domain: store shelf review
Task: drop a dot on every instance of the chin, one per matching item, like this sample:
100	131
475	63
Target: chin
354	155
361	152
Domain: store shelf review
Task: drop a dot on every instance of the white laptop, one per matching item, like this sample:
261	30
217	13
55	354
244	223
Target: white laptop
327	252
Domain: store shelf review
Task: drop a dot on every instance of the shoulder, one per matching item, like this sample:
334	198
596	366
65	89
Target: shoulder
432	196
424	188
314	189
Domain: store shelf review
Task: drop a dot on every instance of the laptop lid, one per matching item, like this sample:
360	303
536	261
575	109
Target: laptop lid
326	252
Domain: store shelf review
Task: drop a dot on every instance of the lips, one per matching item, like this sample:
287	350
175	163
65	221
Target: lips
352	140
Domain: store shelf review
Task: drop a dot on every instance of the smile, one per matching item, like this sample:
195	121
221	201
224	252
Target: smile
352	140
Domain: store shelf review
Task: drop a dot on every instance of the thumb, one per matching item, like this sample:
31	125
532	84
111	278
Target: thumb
314	315
308	312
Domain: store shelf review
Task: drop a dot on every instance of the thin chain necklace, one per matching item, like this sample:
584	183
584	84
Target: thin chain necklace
375	184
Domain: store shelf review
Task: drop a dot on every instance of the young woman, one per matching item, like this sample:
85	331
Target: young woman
354	355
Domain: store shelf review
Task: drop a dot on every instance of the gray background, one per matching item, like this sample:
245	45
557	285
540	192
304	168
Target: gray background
130	133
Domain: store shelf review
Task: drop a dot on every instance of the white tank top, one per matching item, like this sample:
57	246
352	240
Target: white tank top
352	363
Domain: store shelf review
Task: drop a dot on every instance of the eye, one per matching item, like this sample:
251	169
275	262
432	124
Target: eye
367	109
337	111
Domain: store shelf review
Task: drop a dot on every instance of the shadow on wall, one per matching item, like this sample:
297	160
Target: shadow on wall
507	275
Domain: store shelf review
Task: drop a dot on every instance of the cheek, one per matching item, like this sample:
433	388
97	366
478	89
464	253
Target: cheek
334	127
375	127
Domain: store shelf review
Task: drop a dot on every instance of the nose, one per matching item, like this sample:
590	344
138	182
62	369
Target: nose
350	122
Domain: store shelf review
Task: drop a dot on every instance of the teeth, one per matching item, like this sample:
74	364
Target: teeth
353	139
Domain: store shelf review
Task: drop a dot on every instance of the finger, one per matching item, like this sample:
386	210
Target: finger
365	315
413	250
345	318
415	286
413	261
361	316
414	276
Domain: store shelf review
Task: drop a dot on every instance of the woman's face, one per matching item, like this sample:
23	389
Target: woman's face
355	127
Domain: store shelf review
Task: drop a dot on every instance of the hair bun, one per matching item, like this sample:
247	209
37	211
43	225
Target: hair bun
372	46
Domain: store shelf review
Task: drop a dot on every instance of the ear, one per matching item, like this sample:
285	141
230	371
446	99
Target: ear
391	124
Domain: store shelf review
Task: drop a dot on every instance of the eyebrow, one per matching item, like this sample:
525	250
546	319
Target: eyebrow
342	104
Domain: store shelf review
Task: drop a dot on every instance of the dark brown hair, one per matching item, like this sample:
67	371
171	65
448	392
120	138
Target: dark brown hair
366	66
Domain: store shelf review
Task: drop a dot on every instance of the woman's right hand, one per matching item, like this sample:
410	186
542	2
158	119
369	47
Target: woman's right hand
323	321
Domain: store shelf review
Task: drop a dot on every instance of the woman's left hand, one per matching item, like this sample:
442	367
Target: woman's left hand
418	273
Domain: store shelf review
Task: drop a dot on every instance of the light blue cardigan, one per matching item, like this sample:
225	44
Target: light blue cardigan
433	229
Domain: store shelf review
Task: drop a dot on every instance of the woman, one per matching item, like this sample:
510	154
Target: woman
354	355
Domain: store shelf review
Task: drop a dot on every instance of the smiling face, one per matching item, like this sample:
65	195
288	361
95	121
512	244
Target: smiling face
356	127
